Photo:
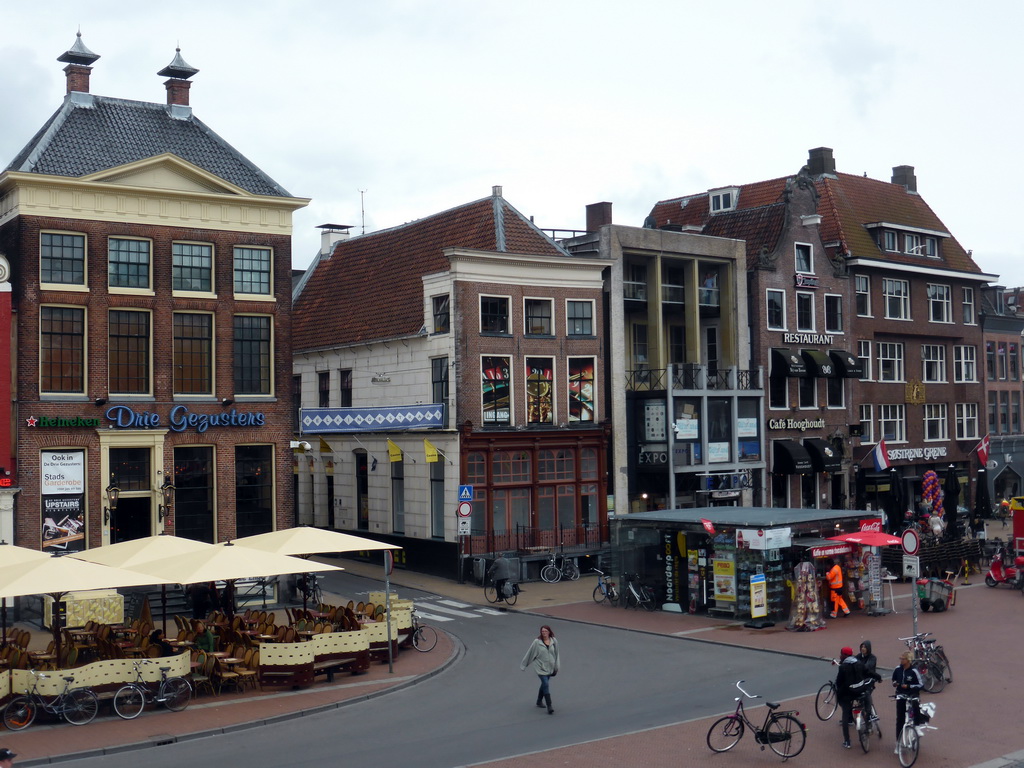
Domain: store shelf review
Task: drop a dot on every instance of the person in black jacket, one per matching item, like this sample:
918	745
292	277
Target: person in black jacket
867	658
850	683
907	681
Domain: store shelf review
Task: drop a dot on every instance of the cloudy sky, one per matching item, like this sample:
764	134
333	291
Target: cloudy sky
404	108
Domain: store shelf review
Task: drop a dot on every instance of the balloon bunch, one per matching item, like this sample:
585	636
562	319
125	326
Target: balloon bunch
931	492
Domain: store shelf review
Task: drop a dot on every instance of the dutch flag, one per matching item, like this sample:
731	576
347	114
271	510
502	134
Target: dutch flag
881	456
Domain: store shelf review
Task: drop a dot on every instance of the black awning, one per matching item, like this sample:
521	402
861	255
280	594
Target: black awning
819	363
789	362
824	456
847	363
790	458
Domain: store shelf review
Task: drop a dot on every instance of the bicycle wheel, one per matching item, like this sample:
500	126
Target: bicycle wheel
786	736
129	701
947	668
176	694
825	703
511	599
20	713
81	706
649	604
908	746
550	574
725	733
424	639
570	571
613	594
599	594
934	678
864	731
490	593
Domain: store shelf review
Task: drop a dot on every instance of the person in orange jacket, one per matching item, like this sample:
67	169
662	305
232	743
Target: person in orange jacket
835	584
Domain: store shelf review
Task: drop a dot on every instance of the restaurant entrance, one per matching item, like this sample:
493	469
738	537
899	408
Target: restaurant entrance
131	520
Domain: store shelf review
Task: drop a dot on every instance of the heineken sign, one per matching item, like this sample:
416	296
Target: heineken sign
179	419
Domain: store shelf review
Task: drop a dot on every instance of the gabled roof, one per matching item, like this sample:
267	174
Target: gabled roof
92	133
847	203
370	288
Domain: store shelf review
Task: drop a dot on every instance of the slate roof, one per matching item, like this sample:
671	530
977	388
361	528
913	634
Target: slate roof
92	133
846	203
370	287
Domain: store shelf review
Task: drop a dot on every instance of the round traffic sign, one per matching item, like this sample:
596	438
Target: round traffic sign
465	509
911	541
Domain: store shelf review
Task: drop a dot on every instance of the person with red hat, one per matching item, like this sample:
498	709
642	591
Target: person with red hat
851	681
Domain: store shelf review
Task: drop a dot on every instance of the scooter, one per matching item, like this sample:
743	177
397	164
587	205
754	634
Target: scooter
1000	573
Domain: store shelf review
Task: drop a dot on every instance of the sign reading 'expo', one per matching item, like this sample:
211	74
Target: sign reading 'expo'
179	419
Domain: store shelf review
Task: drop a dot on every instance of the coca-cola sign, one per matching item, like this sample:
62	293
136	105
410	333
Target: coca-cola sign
874	524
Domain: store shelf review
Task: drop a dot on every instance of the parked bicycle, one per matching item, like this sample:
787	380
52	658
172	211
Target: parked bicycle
510	592
78	706
915	723
424	638
930	660
308	587
637	594
605	590
555	571
781	731
175	693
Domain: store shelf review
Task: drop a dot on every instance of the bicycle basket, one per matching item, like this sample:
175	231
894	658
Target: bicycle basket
924	713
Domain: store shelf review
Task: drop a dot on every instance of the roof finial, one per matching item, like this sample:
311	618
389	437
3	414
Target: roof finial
178	68
78	53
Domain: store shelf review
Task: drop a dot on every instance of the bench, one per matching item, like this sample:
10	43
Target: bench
286	675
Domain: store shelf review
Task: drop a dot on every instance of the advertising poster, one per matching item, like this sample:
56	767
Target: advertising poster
62	500
495	393
725	580
581	389
758	596
539	388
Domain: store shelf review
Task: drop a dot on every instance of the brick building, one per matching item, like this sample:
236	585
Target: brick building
151	287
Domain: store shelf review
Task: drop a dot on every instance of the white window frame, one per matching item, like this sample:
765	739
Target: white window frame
767	321
866	412
965	356
969	316
866	293
901	297
891	241
894	414
147	289
940	303
912	244
891	352
966	417
269	295
936	416
82	287
508	314
724	199
809	297
527	331
931	247
569	321
934	354
866	359
838	314
797	247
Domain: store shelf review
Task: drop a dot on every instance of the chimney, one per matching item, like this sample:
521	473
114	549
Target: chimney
904	175
598	214
820	161
177	87
496	190
78	59
331	235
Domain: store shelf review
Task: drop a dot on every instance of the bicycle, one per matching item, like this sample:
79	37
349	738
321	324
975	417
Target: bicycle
554	572
866	720
78	706
605	590
781	731
309	589
908	743
930	660
638	594
131	698
510	590
424	638
826	702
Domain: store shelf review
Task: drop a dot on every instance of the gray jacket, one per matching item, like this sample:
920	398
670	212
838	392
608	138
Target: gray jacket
500	569
542	658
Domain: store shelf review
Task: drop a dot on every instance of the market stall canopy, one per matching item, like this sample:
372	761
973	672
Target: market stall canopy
824	456
225	562
868	538
791	458
306	540
789	362
59	575
140	552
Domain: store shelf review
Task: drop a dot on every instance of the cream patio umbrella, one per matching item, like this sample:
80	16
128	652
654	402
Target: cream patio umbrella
12	555
139	552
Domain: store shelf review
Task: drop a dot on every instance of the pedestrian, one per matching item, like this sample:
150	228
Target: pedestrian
850	681
200	594
907	681
499	573
867	658
542	657
6	758
835	585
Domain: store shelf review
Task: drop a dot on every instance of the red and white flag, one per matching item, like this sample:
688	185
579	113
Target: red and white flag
881	456
982	450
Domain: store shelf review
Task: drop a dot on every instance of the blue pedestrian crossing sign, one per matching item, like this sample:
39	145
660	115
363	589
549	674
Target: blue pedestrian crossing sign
465	493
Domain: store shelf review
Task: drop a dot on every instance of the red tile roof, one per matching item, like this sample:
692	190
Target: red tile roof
370	288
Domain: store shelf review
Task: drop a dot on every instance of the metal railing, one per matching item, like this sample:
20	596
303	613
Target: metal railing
573	538
693	377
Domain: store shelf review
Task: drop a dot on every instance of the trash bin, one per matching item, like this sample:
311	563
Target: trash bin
480	565
937	594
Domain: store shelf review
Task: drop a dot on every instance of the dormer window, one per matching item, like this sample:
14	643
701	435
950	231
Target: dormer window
890	240
804	258
724	199
931	247
912	244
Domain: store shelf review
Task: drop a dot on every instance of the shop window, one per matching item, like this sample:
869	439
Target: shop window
539	390
193	493
495	396
581	389
254	489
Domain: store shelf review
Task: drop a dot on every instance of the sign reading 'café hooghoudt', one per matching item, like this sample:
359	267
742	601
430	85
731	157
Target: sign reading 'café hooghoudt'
179	419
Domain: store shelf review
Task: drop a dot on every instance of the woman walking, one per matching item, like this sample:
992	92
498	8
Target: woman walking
543	659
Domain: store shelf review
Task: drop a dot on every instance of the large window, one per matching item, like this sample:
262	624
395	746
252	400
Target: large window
833	313
194	493
345	388
254	489
865	359
940	304
775	303
540	385
836	391
805	311
62	258
933	362
253	355
192	267
128	263
966	421
912	244
441	306
537	313
494	314
808	392
965	364
892	425
128	346
896	294
323	388
890	361
61	349
891	241
1002	366
804	258
867	423
495	394
252	270
990	360
581	389
968	307
778	390
439	383
193	353
936	425
862	286
579	318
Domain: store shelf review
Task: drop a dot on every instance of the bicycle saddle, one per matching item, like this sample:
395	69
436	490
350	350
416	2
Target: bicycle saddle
772	704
